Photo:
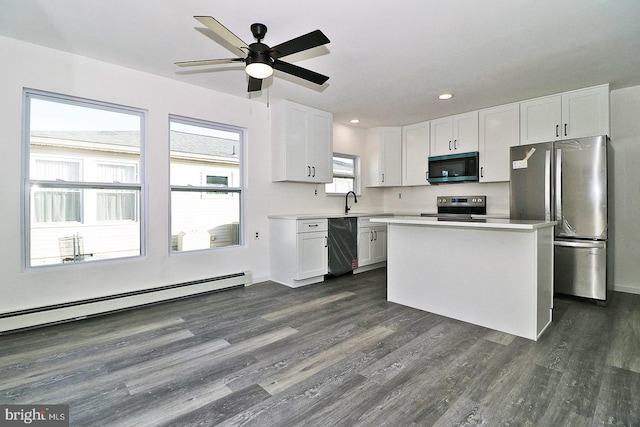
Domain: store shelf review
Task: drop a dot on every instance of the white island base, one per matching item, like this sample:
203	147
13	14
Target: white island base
497	274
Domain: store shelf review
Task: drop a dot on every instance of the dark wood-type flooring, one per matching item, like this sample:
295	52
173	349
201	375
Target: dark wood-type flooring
330	354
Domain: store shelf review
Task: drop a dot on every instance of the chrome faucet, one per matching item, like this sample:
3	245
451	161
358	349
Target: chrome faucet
346	201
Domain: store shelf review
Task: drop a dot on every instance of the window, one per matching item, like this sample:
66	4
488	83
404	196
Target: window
344	174
117	205
217	181
82	176
51	204
206	184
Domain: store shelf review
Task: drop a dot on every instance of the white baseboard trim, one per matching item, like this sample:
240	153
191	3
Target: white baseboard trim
42	316
370	267
626	289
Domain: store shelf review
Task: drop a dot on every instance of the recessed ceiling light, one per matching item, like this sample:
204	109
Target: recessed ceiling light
445	96
354	121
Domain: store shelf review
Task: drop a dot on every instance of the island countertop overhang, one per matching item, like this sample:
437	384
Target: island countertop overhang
487	223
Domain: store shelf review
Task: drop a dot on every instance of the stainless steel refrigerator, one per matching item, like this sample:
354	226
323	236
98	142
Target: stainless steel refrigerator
566	181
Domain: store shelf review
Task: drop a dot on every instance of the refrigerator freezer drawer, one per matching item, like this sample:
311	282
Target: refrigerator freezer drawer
580	269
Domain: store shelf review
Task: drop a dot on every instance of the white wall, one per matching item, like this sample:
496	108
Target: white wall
50	70
423	198
625	140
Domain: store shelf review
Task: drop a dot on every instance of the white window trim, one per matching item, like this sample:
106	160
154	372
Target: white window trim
26	182
210	191
356	173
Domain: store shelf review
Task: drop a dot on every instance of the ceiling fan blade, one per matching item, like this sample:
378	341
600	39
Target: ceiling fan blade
223	32
254	84
208	62
307	41
303	73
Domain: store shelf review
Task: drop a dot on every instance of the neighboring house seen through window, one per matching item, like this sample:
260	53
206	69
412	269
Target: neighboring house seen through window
344	174
206	184
83	180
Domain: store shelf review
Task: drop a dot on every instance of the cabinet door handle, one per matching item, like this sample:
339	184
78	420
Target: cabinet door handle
376	234
371	236
565	129
382	177
308	170
313	225
326	241
455	145
449	145
482	172
557	131
314	171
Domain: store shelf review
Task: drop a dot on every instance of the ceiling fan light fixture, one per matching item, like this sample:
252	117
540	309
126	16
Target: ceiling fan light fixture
259	70
259	66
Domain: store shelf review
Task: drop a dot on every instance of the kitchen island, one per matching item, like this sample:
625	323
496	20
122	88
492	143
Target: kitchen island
496	273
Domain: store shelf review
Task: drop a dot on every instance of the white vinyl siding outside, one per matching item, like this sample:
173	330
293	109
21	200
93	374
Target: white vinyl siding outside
206	184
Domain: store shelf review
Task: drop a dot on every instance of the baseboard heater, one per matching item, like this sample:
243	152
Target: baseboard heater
58	313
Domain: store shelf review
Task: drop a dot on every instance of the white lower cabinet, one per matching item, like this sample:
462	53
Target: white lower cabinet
372	245
311	255
299	251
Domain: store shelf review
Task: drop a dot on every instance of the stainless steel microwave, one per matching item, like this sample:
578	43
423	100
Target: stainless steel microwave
459	167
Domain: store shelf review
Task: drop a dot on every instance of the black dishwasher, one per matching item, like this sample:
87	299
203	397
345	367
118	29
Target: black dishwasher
343	245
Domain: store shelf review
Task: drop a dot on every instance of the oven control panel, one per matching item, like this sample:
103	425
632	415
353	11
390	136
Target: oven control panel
462	201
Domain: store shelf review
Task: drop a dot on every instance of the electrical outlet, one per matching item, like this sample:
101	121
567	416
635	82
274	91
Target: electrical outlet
257	235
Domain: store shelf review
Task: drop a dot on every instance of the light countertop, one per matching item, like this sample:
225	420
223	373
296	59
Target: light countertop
329	215
491	223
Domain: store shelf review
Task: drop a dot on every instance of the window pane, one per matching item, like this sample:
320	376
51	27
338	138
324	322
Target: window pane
119	205
50	170
85	131
203	152
116	173
218	181
204	156
343	166
73	145
344	174
98	241
51	205
200	222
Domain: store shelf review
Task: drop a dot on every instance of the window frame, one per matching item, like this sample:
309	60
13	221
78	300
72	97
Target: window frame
205	190
27	183
355	177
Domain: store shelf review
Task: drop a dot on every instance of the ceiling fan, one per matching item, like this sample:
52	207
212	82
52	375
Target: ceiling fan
261	59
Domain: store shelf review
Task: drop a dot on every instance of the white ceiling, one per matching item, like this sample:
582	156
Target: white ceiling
387	60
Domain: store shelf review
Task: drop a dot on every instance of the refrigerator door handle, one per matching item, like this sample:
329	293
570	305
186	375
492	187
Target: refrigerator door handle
547	185
558	184
574	244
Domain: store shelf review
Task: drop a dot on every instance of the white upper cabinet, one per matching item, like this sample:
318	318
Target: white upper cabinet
499	131
415	154
454	134
383	160
574	114
302	143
